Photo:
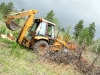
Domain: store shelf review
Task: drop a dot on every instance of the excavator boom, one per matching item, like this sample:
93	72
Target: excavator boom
9	18
13	26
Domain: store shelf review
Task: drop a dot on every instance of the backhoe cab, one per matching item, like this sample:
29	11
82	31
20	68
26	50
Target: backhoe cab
40	30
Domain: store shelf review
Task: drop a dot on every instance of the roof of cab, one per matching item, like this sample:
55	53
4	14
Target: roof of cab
47	21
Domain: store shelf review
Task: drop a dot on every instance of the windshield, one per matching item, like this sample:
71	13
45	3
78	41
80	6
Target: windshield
41	29
33	28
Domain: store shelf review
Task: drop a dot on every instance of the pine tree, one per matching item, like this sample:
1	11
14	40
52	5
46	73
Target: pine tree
67	33
2	5
63	30
84	37
55	20
78	28
22	9
6	9
92	30
50	16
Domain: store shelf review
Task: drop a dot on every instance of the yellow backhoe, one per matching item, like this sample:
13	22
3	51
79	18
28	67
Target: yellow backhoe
37	34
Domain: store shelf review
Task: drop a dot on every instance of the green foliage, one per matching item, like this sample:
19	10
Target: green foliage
6	8
92	30
95	48
16	33
2	6
13	46
3	30
98	49
84	37
1	16
17	20
14	49
78	28
63	30
67	33
50	16
55	20
22	9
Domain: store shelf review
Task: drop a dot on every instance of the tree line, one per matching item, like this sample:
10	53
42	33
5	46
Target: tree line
6	8
81	34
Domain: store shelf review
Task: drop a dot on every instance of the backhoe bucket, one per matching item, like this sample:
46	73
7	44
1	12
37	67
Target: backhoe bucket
13	26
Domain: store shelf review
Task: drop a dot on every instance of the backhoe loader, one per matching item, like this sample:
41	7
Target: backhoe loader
37	34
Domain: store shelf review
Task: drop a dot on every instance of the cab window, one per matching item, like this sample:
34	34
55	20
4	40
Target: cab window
41	30
50	31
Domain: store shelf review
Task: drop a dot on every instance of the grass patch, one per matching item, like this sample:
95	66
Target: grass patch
3	30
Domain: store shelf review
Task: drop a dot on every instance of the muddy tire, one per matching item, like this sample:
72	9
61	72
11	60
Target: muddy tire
41	48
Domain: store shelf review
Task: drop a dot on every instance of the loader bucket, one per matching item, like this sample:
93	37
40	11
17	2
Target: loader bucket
13	26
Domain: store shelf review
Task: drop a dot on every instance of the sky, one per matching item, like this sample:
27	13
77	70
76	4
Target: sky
68	12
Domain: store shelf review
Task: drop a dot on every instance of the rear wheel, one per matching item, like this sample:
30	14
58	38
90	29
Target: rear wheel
41	48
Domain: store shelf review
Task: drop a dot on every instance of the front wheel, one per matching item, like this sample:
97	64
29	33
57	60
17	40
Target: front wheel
41	48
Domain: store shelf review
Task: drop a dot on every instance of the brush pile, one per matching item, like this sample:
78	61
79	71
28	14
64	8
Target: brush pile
75	58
